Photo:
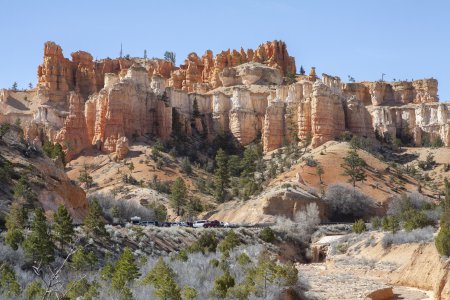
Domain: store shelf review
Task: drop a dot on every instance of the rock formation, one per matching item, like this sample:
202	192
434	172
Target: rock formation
82	103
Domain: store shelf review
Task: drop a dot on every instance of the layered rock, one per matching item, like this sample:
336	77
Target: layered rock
393	93
82	103
419	121
73	136
327	115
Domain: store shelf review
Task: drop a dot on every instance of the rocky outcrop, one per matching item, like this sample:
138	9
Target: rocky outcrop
82	103
206	73
327	115
393	93
46	180
73	136
419	121
250	73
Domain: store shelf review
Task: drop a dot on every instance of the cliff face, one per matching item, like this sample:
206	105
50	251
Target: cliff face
44	178
82	103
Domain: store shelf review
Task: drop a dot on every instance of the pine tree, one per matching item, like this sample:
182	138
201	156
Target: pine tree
85	177
14	86
15	222
354	167
302	71
162	278
222	284
178	194
131	167
63	227
82	260
189	293
9	286
195	109
93	222
221	175
320	172
125	271
170	56
39	245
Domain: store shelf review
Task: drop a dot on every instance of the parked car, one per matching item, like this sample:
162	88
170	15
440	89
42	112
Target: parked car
224	224
199	223
135	220
150	223
210	224
166	224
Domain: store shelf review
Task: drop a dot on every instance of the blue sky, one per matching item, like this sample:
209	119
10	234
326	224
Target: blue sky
406	39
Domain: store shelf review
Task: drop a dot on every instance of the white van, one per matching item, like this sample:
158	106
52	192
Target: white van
199	223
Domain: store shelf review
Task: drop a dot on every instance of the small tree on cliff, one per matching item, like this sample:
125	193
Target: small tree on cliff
85	177
14	86
178	194
63	227
195	109
93	222
221	175
320	172
354	167
170	56
302	71
39	245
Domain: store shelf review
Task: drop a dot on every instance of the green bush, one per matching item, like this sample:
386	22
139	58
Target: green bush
267	235
376	223
206	243
359	226
442	241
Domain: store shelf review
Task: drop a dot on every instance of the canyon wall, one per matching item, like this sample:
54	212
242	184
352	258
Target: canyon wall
81	103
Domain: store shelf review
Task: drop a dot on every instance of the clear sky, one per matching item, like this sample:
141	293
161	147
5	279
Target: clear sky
406	39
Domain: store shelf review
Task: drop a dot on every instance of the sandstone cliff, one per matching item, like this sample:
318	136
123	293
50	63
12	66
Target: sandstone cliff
82	103
45	180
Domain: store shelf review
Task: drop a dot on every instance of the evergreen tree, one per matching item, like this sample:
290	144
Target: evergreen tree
445	217
302	71
15	222
34	291
320	172
9	286
354	167
93	222
170	56
222	284
125	271
178	195
145	54
63	227
221	175
85	177
195	109
82	260
189	293
131	167
162	278
39	245
14	86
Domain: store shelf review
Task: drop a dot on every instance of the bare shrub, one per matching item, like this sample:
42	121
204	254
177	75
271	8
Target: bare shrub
303	224
125	209
346	203
420	235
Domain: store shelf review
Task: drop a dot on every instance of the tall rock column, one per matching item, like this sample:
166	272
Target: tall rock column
73	136
327	115
273	130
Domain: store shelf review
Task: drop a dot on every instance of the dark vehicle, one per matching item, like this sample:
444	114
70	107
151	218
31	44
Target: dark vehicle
166	224
150	223
214	223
